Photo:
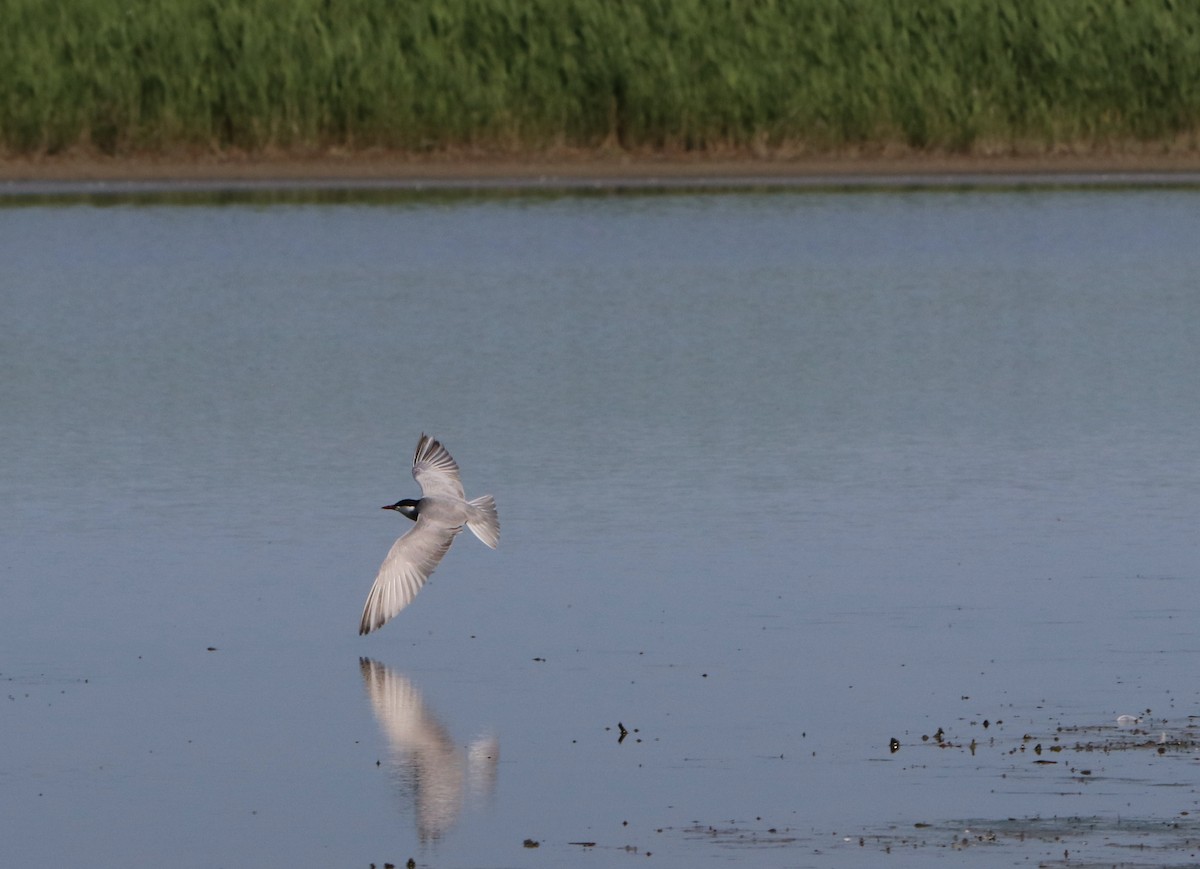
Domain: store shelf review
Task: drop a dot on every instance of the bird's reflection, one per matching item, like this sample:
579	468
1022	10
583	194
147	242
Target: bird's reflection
427	762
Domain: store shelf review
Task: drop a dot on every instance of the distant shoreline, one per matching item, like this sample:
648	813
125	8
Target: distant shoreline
756	78
384	171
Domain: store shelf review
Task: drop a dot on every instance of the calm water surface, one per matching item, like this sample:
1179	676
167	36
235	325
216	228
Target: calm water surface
781	478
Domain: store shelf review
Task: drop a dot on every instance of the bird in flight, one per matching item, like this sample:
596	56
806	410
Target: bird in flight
440	513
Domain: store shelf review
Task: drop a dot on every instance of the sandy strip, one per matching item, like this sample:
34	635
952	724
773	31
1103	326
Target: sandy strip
91	175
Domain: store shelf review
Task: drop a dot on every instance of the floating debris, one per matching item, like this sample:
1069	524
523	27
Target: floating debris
742	836
1162	838
1045	756
1089	738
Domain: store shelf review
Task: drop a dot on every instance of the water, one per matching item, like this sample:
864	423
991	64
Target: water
781	478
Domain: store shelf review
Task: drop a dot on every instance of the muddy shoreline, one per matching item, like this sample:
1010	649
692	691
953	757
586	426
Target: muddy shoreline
383	171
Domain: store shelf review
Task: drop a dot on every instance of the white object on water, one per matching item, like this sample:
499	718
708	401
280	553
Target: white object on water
436	773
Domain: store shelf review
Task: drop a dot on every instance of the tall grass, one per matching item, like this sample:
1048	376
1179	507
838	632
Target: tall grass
137	75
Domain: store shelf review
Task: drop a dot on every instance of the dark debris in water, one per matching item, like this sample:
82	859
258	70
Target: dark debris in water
742	836
1161	842
1058	752
1143	734
1056	841
1080	751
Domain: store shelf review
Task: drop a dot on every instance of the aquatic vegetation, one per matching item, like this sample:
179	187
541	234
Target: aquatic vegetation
521	75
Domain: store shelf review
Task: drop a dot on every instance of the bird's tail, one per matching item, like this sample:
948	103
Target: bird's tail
485	524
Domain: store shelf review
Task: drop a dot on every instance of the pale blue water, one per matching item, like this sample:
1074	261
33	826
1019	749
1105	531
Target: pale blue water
781	477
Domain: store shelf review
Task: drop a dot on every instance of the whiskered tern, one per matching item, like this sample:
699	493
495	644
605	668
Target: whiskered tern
440	513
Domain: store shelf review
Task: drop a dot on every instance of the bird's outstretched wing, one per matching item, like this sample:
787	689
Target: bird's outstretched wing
408	564
434	469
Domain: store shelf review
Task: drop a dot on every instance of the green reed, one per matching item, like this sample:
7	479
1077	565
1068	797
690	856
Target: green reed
519	75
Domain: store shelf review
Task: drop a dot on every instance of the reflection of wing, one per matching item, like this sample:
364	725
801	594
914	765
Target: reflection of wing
435	471
421	748
482	757
422	751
